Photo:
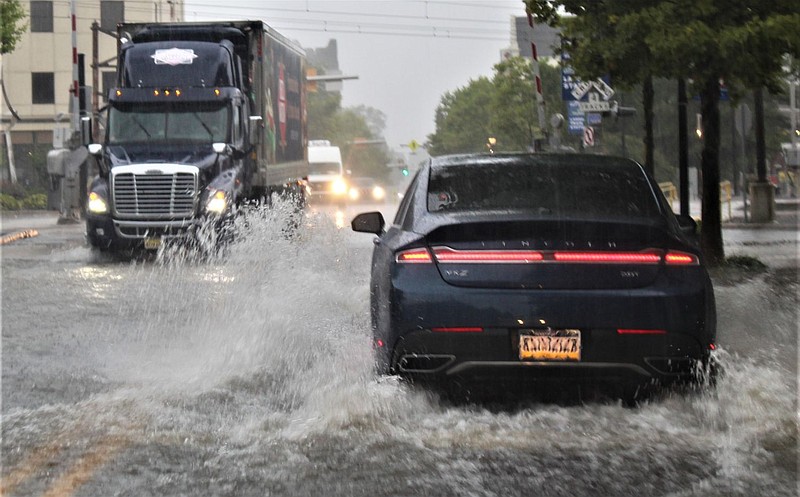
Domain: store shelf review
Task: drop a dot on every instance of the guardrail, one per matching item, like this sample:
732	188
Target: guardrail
725	195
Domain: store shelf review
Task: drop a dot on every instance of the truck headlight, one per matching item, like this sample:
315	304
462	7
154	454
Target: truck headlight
97	204
339	187
217	203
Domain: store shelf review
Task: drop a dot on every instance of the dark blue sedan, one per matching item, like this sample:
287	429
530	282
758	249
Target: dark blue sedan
539	266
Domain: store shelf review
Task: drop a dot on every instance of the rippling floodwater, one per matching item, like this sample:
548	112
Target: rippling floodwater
251	375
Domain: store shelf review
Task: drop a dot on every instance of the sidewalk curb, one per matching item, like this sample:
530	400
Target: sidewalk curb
760	226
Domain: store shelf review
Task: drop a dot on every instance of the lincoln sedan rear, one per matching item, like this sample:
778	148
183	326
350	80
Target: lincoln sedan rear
538	267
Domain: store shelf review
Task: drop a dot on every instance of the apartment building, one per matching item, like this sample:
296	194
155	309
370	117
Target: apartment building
37	76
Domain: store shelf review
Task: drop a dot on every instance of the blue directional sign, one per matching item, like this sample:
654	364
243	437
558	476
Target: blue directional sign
576	119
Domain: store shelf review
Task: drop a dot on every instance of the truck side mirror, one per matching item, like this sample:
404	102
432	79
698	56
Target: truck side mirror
255	129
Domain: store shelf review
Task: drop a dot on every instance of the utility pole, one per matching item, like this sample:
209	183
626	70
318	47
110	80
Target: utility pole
762	192
540	104
683	148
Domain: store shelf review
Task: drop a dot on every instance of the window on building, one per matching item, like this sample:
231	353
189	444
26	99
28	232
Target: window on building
41	20
43	88
111	13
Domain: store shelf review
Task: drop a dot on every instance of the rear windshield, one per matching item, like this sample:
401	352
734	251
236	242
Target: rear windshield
560	190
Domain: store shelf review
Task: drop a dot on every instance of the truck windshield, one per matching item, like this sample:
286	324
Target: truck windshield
175	124
328	168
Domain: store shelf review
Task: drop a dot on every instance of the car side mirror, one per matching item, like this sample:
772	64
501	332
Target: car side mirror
368	222
687	224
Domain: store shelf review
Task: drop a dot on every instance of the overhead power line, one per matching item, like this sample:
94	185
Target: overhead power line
260	11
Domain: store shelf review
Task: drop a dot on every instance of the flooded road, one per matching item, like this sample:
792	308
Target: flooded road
250	374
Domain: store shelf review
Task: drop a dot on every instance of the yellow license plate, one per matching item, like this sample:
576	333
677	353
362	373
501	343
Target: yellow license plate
152	243
550	345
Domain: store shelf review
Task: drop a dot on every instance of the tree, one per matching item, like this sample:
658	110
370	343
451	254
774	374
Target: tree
742	43
463	119
604	40
11	13
514	116
503	107
343	127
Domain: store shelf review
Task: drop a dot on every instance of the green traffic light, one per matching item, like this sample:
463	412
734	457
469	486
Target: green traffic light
405	171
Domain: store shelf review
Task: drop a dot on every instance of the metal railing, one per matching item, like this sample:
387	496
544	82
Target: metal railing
670	191
725	195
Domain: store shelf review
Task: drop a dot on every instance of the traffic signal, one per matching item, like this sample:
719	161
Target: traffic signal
405	171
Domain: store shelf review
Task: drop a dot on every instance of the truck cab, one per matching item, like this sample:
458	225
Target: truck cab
185	131
326	172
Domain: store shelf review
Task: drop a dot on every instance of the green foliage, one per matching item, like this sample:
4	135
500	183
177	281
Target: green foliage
503	107
743	43
9	203
35	201
15	197
11	15
463	119
514	117
327	120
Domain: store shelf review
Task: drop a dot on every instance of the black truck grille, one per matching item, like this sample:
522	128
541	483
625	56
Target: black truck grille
148	195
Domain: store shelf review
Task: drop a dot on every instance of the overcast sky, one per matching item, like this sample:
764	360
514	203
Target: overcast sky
406	53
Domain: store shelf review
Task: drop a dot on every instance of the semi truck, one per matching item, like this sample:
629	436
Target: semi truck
204	117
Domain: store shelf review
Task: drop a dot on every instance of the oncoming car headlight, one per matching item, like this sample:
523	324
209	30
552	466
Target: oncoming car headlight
378	193
354	194
97	204
217	203
339	187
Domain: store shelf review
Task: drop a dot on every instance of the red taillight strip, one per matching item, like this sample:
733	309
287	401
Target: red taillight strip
629	331
608	257
448	255
414	256
674	258
458	329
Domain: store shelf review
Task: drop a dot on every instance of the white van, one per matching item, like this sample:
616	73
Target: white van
326	172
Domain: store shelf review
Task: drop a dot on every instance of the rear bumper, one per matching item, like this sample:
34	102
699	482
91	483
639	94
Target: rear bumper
494	354
682	308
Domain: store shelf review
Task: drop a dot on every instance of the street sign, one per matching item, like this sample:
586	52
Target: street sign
575	118
588	136
594	118
580	88
595	106
603	88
